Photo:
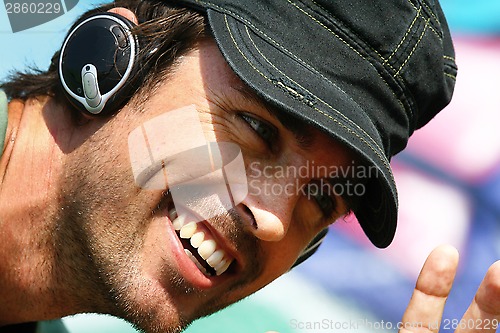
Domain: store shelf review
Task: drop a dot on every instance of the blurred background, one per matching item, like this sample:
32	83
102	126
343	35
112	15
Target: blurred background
449	187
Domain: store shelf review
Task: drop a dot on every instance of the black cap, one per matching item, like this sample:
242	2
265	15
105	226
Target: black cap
368	73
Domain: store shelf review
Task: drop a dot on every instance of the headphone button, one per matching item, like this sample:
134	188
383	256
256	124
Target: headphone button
90	86
120	35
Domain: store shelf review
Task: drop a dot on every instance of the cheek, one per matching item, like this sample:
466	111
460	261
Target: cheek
280	259
281	255
309	217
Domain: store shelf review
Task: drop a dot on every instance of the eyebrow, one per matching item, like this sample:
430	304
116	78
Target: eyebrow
299	128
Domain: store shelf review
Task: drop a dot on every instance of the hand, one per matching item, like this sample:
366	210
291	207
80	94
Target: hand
425	310
433	287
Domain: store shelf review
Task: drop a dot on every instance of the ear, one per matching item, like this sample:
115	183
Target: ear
125	13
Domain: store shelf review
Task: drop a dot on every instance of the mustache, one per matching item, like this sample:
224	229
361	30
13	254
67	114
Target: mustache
228	223
232	226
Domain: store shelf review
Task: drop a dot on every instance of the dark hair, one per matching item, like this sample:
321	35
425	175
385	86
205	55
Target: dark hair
165	33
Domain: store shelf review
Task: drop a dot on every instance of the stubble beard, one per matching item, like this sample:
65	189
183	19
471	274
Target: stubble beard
110	287
100	232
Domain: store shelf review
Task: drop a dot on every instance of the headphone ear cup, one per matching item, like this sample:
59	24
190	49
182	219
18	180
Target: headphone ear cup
311	248
98	64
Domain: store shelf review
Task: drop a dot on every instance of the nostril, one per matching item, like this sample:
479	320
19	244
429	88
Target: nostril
250	215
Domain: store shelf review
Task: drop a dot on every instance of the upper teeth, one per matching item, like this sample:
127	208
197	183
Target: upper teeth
201	239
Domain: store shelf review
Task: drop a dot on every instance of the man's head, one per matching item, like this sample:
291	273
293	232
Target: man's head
369	87
313	103
128	231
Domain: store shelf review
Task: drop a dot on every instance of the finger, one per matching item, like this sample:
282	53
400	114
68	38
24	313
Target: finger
425	310
483	314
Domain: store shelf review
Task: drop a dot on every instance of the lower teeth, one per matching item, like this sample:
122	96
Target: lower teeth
196	262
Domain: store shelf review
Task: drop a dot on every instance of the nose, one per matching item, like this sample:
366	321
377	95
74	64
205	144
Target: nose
269	216
274	191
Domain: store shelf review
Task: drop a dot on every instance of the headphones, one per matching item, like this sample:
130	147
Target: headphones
98	70
98	64
311	248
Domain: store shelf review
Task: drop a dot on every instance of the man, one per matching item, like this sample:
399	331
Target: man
117	159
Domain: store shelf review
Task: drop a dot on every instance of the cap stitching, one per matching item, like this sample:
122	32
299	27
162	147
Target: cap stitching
449	58
414	46
348	45
352	48
435	32
384	160
385	61
333	33
225	11
294	92
451	75
378	53
316	97
430	11
430	14
371	48
248	23
450	66
440	36
405	36
374	50
394	74
320	111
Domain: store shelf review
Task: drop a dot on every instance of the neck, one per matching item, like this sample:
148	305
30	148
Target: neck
30	169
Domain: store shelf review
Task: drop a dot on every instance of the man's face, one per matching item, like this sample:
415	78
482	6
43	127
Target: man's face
119	236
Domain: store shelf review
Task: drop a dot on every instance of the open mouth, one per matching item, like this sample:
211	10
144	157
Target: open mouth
200	245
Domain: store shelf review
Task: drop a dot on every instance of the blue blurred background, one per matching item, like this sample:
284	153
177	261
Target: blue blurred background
449	184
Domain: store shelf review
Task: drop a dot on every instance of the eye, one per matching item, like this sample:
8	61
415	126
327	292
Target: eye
322	194
267	132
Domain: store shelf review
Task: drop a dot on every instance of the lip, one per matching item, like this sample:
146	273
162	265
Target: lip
187	267
222	242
